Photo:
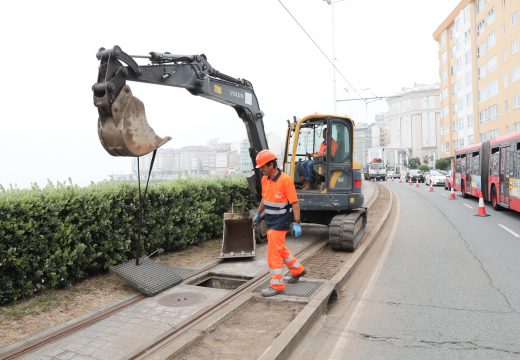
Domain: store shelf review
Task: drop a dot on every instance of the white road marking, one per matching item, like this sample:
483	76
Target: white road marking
342	343
509	230
471	207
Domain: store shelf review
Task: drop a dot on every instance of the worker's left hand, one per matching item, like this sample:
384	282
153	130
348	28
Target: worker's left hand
257	218
297	230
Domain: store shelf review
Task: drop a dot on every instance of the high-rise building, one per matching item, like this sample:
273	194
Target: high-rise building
479	68
412	121
362	142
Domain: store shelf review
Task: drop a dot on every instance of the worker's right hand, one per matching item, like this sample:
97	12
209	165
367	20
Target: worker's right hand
257	218
297	230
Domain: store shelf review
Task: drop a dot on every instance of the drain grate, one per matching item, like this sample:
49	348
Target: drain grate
182	299
302	288
149	277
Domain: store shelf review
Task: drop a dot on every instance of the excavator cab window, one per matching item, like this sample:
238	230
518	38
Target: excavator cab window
341	135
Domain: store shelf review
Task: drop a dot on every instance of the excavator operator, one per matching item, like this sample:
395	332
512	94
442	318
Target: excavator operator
279	207
308	165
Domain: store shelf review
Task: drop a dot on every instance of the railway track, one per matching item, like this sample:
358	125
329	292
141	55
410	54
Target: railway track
32	345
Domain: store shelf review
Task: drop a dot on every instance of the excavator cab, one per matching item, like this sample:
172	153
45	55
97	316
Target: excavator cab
335	198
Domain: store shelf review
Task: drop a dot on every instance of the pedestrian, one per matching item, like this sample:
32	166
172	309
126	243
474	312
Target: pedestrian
279	208
308	165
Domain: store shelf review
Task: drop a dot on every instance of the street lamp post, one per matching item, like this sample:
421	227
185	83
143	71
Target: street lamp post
331	3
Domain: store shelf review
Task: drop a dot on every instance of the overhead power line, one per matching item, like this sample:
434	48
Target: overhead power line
320	49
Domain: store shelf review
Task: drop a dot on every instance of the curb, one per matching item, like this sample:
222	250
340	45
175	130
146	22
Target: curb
289	339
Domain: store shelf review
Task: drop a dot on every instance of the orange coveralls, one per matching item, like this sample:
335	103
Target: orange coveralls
278	193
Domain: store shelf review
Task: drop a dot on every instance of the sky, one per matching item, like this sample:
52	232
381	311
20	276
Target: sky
49	122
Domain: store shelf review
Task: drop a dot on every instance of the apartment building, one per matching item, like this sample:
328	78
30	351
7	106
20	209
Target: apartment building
413	119
479	68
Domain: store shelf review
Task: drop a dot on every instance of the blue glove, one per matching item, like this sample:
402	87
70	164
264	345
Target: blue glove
297	230
257	218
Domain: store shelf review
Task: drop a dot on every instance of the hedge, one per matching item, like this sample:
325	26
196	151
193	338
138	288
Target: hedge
53	237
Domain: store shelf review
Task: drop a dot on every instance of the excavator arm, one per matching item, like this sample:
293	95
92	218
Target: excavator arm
122	125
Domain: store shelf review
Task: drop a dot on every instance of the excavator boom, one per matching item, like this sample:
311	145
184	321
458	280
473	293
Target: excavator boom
123	128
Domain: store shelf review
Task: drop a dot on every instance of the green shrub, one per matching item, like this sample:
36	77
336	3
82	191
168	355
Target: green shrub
52	237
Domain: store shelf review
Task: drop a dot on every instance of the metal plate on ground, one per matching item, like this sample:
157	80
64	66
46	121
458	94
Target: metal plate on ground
181	299
150	277
302	288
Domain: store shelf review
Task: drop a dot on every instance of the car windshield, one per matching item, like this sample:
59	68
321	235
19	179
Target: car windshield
416	172
435	173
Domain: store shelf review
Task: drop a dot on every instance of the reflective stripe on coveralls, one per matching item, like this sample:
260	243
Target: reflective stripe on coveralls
292	262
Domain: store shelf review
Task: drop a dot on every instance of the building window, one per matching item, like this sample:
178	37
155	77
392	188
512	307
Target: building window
506	80
482	72
515	46
493	88
470	140
470	120
515	75
492	112
506	105
516	101
480	5
490	17
481	26
482	116
492	64
517	126
481	49
514	18
491	40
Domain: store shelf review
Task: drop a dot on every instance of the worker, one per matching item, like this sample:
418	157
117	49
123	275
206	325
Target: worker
279	207
308	165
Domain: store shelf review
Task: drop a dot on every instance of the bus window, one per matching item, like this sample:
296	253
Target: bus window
494	162
509	162
463	163
517	163
475	163
457	163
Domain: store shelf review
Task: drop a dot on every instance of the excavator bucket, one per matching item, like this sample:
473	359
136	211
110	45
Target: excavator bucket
239	236
122	127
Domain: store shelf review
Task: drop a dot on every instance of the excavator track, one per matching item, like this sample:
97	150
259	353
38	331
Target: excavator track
346	230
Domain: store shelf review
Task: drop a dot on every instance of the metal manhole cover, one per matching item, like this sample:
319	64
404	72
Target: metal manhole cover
181	299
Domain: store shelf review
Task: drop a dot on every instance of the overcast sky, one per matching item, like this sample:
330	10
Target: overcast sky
48	62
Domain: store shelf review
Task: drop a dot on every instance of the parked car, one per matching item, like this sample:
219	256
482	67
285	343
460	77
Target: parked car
435	177
448	180
415	175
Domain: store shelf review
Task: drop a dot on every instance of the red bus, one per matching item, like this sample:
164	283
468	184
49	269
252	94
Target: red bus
492	169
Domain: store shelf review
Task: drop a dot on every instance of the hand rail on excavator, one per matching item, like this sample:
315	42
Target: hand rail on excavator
122	125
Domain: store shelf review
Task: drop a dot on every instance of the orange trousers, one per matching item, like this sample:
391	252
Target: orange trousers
278	255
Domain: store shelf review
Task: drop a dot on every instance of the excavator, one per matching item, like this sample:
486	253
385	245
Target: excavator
335	200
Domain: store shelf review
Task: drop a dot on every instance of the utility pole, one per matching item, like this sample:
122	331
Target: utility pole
331	3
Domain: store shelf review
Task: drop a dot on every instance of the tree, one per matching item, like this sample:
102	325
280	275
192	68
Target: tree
424	168
443	164
414	163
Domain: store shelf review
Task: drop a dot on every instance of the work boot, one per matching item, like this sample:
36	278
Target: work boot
308	186
294	279
270	292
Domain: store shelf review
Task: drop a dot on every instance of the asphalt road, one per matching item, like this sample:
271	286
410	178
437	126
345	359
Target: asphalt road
440	283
